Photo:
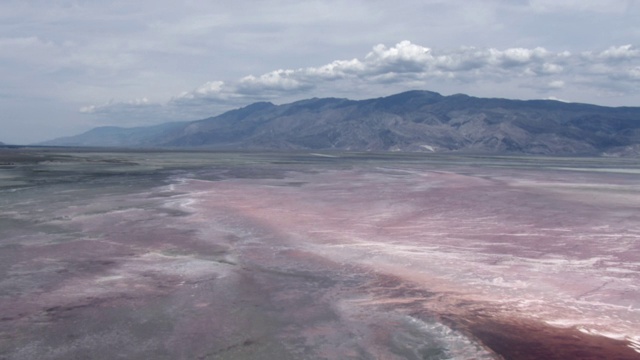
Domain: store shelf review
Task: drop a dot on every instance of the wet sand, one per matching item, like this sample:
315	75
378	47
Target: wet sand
245	256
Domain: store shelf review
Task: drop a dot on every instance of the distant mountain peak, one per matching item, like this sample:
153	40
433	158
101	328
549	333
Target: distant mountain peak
417	120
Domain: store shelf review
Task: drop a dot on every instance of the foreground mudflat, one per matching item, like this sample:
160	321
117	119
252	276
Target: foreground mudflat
317	256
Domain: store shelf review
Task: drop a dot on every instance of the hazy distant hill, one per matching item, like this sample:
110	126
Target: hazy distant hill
410	121
147	136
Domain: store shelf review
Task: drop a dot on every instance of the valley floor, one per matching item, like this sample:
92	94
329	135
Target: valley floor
214	255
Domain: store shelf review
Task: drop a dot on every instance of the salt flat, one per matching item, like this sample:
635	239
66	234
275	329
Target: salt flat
182	255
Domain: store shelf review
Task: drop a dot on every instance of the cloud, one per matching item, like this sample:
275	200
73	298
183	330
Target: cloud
592	6
274	82
28	49
133	104
615	67
405	57
337	69
407	65
617	53
556	84
210	89
131	113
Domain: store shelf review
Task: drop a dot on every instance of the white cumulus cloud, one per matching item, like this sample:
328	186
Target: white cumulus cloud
405	66
274	81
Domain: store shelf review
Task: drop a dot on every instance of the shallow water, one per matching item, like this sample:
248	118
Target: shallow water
182	255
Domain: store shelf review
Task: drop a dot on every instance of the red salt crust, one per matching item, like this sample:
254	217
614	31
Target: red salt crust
518	339
510	337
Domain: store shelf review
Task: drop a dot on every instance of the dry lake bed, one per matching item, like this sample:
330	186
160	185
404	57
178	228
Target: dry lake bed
223	255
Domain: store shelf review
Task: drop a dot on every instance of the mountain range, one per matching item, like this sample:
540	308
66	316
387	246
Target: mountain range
409	121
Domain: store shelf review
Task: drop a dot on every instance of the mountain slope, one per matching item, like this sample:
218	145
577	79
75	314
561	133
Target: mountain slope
118	136
410	121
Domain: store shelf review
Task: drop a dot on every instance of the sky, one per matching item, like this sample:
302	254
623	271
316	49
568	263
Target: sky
67	66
